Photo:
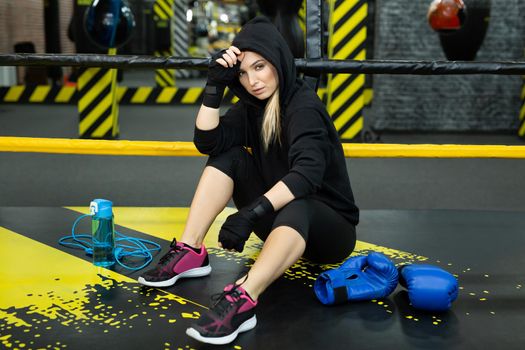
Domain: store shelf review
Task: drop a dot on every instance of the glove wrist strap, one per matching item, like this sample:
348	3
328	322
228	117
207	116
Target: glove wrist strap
213	95
261	207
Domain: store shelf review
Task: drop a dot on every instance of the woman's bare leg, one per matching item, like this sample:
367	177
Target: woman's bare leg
283	247
213	192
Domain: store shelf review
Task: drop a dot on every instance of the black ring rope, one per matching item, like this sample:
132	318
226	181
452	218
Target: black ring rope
308	66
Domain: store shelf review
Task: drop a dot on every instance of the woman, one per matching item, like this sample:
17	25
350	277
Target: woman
278	155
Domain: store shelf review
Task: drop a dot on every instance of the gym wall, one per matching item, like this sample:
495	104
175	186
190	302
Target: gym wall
23	20
445	103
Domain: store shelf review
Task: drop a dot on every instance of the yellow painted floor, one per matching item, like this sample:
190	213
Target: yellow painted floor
54	297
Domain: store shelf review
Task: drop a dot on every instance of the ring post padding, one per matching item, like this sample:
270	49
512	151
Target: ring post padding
162	21
345	92
97	102
521	128
165	77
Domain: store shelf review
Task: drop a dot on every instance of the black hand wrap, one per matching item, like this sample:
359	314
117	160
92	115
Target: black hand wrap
218	78
238	227
258	208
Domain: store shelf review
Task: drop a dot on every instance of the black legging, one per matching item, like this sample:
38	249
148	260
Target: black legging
329	236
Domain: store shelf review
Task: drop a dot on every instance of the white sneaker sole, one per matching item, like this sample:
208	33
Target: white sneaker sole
196	272
245	326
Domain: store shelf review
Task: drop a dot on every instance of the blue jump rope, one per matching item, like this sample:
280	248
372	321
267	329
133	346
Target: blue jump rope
125	246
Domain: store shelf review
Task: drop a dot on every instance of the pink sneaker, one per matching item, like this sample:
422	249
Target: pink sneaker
180	262
233	313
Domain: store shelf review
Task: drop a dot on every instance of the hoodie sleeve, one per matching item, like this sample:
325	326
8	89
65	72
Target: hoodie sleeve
309	153
230	132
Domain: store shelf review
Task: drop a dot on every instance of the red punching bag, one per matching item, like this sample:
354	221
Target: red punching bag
461	26
445	15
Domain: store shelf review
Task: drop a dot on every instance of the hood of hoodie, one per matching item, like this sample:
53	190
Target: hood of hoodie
261	36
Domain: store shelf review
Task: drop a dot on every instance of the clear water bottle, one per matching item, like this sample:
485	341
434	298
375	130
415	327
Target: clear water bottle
103	232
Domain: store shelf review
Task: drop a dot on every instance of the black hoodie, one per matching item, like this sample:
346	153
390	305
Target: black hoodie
310	159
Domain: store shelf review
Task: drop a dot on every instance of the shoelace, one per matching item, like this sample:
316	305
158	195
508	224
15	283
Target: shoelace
221	303
174	248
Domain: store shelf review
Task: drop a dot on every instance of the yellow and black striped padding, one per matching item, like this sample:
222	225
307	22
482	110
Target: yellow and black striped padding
301	15
521	129
97	103
345	92
162	16
165	96
38	94
163	10
164	77
45	94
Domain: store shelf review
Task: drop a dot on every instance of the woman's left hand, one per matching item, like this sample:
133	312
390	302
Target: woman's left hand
230	250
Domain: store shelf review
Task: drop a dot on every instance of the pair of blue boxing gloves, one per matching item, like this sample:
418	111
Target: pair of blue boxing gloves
374	276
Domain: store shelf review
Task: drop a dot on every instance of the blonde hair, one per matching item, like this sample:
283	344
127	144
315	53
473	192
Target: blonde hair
271	126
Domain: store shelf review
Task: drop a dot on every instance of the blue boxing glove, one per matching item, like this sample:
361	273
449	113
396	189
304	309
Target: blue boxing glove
430	288
358	278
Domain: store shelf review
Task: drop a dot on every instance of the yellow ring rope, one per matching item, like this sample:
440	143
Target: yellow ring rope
187	149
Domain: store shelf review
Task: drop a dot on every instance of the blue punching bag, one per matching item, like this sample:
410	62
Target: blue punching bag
109	23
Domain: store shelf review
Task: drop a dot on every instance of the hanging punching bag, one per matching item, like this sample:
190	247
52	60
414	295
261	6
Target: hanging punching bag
461	26
109	23
446	15
283	13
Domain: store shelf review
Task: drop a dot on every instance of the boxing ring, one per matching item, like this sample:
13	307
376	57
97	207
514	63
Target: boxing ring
53	297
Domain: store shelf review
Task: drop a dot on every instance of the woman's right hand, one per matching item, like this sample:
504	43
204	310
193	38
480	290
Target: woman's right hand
229	57
224	66
223	69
